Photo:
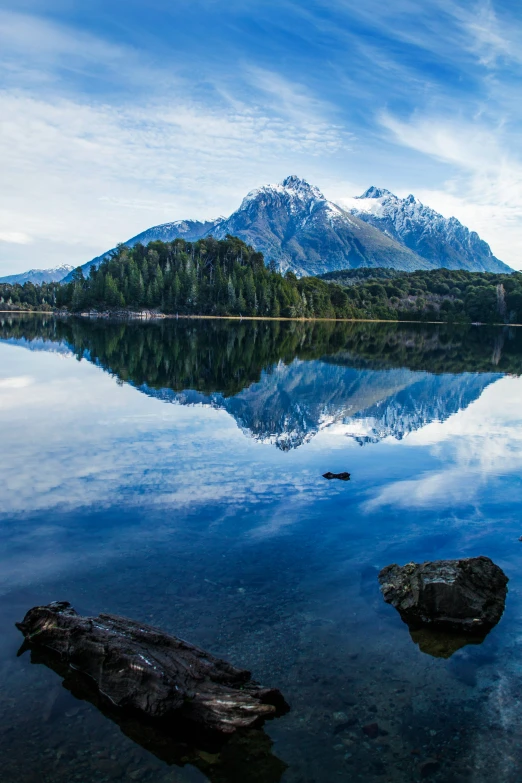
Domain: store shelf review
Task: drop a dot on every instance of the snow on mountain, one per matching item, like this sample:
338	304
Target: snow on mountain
39	276
444	241
297	193
295	225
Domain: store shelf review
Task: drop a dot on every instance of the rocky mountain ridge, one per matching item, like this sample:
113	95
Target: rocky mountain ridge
295	225
444	241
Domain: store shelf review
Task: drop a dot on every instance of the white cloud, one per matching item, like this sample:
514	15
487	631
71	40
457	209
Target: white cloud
15	237
485	192
35	51
15	382
490	39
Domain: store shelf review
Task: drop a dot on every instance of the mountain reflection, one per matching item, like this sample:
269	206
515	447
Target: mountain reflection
285	381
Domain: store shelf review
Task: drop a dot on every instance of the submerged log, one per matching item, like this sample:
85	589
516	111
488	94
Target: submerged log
466	595
341	476
139	667
222	758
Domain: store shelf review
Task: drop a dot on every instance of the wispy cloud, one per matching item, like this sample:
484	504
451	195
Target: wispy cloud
485	186
490	38
108	129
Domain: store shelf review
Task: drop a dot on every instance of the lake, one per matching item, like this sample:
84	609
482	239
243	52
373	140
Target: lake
171	471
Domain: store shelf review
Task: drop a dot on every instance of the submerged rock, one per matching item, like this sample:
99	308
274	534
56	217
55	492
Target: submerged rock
139	667
466	595
342	476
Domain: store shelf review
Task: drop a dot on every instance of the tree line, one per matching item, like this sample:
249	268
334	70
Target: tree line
228	277
207	277
449	295
210	356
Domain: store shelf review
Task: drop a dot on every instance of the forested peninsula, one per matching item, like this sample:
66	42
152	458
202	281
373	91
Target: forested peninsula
229	278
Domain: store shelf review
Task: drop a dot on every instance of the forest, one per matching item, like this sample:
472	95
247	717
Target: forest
209	356
228	277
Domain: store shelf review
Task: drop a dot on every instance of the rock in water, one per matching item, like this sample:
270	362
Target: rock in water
341	476
465	595
140	667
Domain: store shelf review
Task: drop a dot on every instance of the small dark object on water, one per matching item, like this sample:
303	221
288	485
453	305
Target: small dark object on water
342	476
466	595
139	667
520	539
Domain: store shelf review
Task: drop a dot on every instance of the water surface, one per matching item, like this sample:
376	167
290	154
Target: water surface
172	472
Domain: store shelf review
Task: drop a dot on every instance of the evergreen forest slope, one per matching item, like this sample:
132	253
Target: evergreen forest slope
227	277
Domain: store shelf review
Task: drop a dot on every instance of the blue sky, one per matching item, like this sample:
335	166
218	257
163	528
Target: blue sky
120	115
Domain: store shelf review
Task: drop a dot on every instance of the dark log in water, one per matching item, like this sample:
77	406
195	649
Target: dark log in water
222	758
341	476
139	667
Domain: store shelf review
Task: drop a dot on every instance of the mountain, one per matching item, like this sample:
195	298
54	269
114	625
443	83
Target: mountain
443	241
296	226
293	224
39	276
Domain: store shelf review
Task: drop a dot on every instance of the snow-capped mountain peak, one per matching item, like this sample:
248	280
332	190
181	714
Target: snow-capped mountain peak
374	192
444	241
296	192
293	224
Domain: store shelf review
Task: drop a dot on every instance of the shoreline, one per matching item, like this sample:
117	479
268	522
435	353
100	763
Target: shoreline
133	316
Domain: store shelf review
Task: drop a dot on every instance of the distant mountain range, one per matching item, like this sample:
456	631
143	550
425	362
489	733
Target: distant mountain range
39	276
296	226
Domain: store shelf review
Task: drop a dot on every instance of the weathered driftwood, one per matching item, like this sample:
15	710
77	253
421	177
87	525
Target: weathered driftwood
466	595
140	667
222	758
341	476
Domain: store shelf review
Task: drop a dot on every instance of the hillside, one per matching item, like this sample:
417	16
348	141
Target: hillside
436	295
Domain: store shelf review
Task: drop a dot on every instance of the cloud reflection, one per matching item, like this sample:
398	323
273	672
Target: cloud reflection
474	447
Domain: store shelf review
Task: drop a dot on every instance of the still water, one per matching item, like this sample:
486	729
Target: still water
172	472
